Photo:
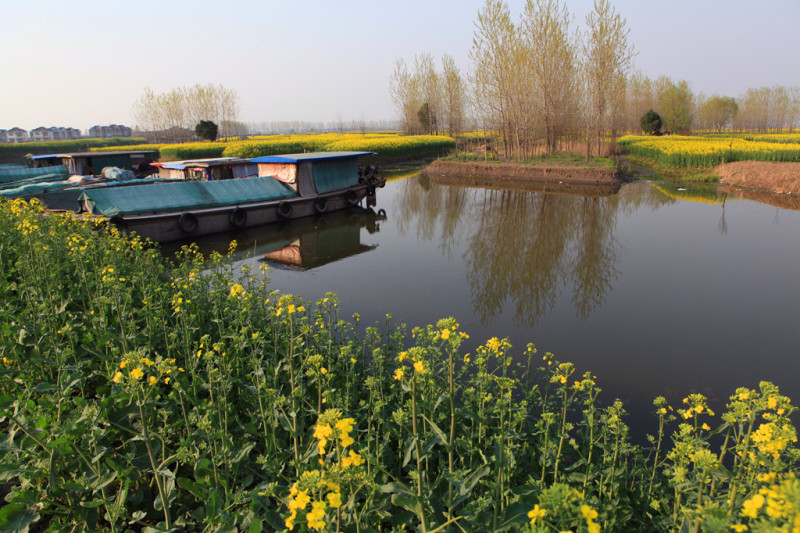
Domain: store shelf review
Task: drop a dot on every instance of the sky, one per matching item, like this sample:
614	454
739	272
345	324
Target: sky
82	63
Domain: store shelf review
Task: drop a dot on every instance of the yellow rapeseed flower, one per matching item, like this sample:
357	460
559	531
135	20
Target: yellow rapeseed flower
316	515
419	367
117	377
536	513
588	513
398	374
335	499
750	507
137	373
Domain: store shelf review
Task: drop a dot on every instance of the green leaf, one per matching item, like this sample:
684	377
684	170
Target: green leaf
466	486
244	451
103	481
439	432
9	472
410	502
17	517
93	504
514	515
409	449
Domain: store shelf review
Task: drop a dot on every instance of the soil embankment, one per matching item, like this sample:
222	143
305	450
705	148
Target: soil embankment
777	178
576	175
572	180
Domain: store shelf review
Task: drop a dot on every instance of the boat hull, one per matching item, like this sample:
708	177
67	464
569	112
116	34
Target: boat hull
174	226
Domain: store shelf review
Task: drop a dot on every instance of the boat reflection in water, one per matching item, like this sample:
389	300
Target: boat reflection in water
301	244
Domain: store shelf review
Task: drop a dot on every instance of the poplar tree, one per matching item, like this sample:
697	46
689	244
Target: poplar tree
552	53
607	59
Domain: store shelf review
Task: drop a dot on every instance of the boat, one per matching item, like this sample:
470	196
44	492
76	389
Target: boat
288	187
215	168
57	180
92	163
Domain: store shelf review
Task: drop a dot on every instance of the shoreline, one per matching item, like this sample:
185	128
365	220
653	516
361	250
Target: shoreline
522	173
761	176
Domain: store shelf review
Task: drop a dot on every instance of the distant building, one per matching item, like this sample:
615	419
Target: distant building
106	132
41	134
17	135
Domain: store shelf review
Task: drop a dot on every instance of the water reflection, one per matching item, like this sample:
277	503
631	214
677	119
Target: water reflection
301	244
524	244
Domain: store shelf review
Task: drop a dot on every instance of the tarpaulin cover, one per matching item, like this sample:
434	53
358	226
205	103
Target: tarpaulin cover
334	174
117	174
182	196
34	188
8	175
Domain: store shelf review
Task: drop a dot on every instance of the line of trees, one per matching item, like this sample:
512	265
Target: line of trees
762	109
185	107
545	85
539	82
430	101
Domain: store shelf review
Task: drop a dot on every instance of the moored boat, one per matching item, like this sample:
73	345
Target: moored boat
298	185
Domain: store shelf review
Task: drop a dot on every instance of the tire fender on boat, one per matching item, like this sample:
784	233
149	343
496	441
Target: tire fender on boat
238	217
321	205
187	222
351	196
284	209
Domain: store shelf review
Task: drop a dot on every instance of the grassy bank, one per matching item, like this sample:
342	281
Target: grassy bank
136	396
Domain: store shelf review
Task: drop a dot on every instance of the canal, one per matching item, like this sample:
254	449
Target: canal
655	288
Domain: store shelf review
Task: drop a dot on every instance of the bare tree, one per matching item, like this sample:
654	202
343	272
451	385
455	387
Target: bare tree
454	95
184	107
552	58
405	96
607	59
494	52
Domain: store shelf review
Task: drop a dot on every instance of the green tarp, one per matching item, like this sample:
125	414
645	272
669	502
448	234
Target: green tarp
8	175
334	174
184	195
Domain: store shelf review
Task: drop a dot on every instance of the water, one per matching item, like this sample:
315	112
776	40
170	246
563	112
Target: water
655	290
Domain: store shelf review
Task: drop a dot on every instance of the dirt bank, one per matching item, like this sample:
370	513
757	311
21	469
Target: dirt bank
562	175
777	178
522	184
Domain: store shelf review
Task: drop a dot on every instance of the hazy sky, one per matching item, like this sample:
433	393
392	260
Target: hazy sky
76	64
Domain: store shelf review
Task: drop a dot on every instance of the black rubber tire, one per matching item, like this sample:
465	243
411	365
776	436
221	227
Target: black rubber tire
238	217
351	197
321	205
188	223
284	209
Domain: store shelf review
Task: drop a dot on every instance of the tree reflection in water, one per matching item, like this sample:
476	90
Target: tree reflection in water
523	247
